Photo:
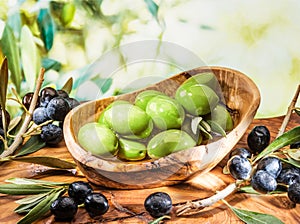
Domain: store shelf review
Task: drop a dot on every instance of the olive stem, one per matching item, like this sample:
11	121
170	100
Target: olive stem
289	112
192	207
19	137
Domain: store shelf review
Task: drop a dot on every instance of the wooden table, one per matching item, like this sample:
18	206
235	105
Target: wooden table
132	200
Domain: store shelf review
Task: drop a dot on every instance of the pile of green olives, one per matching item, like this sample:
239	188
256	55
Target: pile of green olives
156	125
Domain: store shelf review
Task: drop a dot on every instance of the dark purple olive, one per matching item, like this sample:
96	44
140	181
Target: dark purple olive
258	139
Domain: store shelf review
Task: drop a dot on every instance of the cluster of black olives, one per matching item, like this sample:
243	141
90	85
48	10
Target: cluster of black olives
269	172
65	208
52	105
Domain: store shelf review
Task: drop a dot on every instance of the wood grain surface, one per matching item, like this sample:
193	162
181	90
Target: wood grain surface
126	206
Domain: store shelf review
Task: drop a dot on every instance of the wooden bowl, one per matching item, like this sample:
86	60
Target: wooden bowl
240	94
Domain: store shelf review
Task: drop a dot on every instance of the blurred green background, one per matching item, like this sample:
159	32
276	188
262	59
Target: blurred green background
259	38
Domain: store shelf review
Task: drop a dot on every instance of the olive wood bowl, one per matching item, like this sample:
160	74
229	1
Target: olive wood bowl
240	94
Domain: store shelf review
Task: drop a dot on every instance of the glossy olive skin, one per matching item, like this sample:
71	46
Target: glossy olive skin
258	139
165	112
263	182
98	139
289	175
64	208
207	78
221	116
239	167
158	204
52	134
270	164
241	152
46	95
131	150
57	108
167	142
127	119
96	204
144	97
27	98
197	99
79	190
294	192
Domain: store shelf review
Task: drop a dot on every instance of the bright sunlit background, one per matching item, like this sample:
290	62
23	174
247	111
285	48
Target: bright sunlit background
259	38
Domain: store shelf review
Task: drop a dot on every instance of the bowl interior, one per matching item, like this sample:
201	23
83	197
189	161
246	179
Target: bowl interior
240	94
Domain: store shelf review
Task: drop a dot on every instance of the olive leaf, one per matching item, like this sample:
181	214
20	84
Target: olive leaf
25	208
29	57
68	85
291	161
31	199
3	82
158	220
17	180
46	161
294	154
215	127
11	51
49	63
104	83
249	189
152	7
195	124
42	207
285	139
46	26
33	144
14	123
23	189
251	217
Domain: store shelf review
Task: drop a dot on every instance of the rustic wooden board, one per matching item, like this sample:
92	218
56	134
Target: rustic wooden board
197	187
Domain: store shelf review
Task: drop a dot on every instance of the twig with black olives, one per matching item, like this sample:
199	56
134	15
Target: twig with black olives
193	207
19	137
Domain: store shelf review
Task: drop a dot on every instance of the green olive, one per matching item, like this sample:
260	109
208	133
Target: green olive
207	78
127	119
131	150
98	139
197	99
101	119
221	116
167	142
165	112
144	97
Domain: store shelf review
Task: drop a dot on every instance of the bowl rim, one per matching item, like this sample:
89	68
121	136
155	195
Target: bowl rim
77	151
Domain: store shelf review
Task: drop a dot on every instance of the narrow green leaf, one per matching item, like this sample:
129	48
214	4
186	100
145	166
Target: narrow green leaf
3	82
251	217
152	7
103	83
11	51
29	57
158	220
68	85
31	199
294	154
18	189
46	161
33	144
14	123
247	189
215	127
17	180
285	139
291	161
41	208
195	124
25	208
46	26
49	63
